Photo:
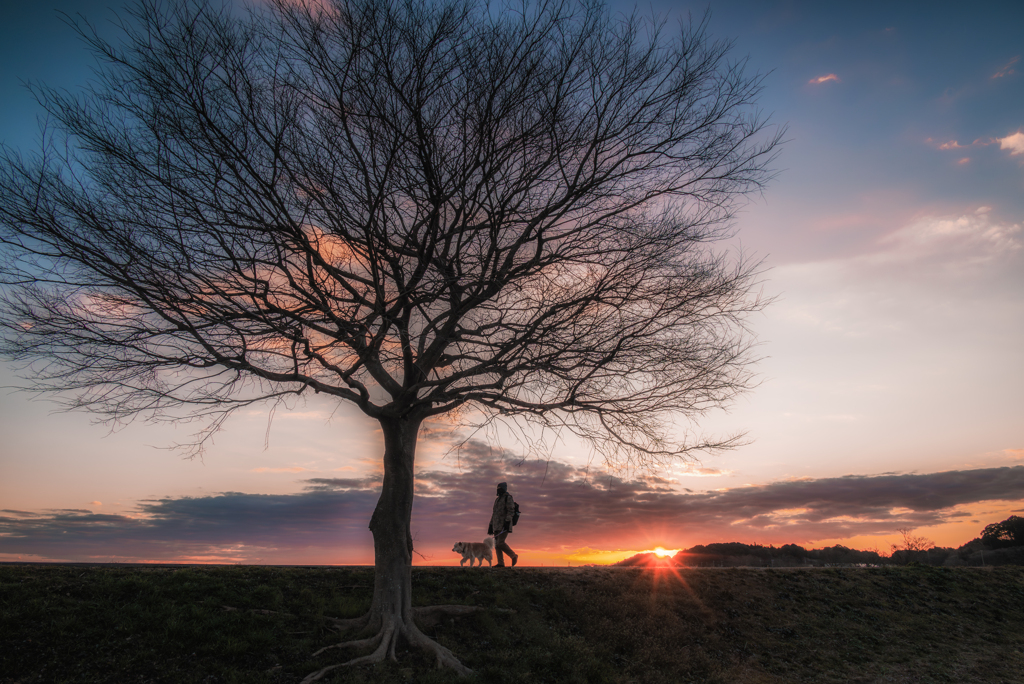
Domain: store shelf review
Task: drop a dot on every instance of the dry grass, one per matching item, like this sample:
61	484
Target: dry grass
135	624
825	625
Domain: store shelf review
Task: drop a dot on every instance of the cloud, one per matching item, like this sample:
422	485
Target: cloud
824	79
564	507
1013	142
293	469
1007	68
798	510
694	470
915	299
230	527
972	237
956	145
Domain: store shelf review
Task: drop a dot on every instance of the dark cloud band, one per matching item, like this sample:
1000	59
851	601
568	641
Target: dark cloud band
564	507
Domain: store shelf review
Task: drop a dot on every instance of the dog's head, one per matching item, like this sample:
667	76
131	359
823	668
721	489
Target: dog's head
459	547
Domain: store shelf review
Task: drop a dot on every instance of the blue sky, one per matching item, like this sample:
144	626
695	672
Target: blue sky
892	243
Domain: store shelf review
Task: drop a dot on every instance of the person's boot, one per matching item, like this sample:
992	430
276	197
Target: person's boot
501	561
515	559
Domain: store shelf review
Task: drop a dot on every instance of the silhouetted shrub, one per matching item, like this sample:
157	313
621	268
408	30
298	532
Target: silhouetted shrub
1012	555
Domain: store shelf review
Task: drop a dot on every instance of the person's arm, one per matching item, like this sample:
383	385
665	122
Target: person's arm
510	509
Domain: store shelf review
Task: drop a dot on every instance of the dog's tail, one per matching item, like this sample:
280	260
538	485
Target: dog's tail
489	542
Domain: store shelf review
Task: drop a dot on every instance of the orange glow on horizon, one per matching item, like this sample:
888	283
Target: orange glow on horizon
553	558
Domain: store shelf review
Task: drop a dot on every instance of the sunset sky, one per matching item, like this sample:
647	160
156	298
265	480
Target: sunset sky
892	377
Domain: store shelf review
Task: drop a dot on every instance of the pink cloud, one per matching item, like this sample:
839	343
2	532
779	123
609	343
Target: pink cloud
824	79
955	144
1007	68
1013	142
294	469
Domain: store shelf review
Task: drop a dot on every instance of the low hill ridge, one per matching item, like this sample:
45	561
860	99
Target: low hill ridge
999	544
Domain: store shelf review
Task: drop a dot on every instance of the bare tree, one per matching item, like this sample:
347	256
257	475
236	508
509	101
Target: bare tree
912	542
911	547
416	207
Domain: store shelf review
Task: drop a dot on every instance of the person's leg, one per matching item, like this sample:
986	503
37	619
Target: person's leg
501	546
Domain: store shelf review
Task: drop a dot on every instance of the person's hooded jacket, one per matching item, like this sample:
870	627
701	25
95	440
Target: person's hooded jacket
504	507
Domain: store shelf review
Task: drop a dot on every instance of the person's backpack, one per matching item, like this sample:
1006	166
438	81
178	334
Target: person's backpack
515	515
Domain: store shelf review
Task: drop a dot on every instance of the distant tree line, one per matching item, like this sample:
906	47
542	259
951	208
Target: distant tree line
1000	543
1006	534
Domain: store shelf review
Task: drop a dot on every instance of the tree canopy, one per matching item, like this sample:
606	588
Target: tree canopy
1004	534
395	204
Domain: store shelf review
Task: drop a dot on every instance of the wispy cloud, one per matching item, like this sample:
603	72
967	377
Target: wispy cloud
694	470
1014	142
293	469
957	145
1007	68
974	237
824	79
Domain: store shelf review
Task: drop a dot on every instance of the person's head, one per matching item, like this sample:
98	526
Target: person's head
502	488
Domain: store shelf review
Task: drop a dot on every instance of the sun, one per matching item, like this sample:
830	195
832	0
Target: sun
662	552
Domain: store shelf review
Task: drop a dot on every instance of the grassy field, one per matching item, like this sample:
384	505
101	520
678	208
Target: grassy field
61	623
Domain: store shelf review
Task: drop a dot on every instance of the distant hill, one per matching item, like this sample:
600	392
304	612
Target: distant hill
647	559
736	554
1001	544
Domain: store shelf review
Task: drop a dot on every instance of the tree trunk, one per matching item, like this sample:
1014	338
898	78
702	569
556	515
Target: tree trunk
391	612
390	525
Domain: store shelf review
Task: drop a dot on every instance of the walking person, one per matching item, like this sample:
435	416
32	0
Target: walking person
501	524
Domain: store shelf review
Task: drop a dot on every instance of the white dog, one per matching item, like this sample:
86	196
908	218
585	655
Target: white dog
475	550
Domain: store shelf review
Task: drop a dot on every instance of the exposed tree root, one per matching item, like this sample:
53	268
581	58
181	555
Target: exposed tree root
385	641
359	643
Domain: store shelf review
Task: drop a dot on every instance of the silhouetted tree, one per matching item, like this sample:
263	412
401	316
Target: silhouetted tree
911	548
415	207
1009	532
794	551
